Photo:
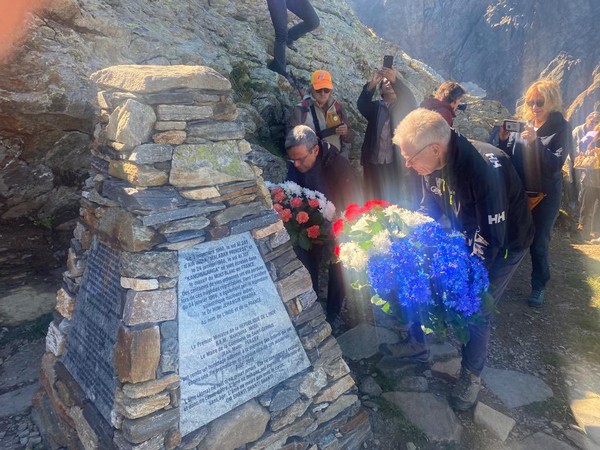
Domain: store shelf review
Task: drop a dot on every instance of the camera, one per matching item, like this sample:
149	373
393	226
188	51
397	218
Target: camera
461	106
388	61
514	125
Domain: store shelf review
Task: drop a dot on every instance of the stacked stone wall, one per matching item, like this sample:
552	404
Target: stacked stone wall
168	173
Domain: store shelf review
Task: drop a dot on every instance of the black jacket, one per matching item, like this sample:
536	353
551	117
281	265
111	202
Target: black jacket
376	113
482	195
540	165
332	175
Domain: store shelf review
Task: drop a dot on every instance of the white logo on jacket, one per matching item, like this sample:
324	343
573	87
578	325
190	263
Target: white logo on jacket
493	159
496	218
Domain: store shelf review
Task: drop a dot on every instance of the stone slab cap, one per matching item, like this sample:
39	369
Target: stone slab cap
149	79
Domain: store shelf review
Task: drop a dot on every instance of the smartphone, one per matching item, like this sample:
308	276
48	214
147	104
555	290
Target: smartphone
514	125
388	61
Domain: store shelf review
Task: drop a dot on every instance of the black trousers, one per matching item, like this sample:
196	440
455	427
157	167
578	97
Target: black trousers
278	10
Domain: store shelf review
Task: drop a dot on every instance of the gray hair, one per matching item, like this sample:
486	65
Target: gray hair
422	127
301	135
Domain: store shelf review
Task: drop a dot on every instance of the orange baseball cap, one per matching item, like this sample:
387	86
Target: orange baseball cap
321	79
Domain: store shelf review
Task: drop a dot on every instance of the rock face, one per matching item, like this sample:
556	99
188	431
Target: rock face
47	101
502	45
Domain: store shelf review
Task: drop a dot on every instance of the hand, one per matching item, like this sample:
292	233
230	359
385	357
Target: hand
503	134
342	130
375	79
528	134
390	74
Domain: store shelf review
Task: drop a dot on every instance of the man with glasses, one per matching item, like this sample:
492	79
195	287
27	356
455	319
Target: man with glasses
315	164
325	115
477	188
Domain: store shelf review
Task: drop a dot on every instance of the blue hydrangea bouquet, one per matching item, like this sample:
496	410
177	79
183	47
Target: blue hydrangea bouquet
413	264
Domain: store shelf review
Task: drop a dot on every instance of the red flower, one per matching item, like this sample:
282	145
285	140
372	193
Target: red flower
285	215
313	203
278	197
296	202
353	212
370	204
278	208
336	251
338	227
313	232
302	217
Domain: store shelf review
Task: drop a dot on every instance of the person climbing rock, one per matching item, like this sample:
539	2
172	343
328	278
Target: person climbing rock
284	37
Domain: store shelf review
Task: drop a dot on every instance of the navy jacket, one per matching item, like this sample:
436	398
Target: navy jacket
482	195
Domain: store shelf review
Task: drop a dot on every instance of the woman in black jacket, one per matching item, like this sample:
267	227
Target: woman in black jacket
538	153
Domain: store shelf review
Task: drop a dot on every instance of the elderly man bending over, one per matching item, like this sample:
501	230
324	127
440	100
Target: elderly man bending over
478	189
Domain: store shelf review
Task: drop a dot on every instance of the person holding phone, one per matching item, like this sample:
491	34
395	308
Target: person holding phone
323	113
538	153
385	175
284	37
446	100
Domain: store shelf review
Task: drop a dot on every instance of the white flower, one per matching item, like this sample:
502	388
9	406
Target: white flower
308	193
328	211
270	185
291	188
381	242
413	219
404	216
353	256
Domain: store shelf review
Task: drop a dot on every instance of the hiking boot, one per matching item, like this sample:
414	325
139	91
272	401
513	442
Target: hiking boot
464	394
276	67
536	298
413	351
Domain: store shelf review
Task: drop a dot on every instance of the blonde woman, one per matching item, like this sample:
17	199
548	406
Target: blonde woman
538	153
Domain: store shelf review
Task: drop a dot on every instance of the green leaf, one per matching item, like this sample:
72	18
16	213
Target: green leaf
303	241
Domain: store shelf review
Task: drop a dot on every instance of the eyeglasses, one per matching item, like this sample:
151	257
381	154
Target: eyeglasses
538	103
409	160
300	160
323	91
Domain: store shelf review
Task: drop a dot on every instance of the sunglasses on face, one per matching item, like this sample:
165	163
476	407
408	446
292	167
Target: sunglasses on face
323	91
538	103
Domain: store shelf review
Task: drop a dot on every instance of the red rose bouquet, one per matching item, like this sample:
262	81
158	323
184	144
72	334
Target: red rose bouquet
306	214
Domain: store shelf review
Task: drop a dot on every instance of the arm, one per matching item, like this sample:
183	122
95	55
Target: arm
366	106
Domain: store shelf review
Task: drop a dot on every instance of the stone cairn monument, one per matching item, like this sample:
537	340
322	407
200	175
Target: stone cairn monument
185	319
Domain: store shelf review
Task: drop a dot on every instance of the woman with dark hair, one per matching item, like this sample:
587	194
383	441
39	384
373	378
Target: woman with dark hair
538	153
284	37
446	100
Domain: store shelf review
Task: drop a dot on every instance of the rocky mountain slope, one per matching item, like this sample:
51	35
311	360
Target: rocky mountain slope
502	45
48	104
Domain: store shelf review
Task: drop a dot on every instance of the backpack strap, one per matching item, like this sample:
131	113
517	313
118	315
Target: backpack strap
315	120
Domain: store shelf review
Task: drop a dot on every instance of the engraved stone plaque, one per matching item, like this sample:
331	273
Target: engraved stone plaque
236	339
91	341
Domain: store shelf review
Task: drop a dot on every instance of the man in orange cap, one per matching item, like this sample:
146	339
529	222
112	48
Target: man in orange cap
325	115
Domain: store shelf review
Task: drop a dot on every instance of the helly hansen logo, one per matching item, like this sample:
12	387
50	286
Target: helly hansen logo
493	159
496	218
